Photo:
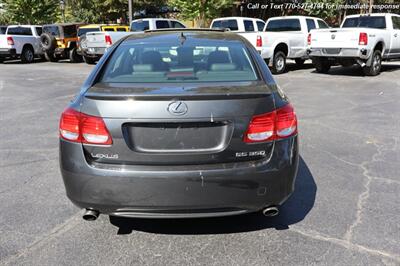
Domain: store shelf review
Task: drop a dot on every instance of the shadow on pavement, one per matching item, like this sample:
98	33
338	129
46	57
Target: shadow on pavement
357	70
293	211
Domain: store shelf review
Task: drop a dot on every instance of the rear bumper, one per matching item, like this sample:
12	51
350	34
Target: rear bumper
358	53
7	52
179	191
95	52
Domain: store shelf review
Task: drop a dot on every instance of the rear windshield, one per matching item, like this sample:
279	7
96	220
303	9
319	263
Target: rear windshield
226	24
207	61
374	22
83	31
52	30
19	31
283	25
140	25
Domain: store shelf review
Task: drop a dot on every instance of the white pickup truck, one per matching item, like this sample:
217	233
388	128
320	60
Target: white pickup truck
284	38
98	42
362	39
21	41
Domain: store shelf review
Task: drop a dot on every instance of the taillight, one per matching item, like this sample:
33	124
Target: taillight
279	124
10	40
259	41
309	39
83	128
363	39
108	40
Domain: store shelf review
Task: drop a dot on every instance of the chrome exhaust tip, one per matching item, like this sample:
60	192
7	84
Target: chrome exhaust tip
90	215
270	211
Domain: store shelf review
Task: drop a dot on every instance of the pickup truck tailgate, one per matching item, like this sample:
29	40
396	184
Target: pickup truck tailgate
3	42
335	38
96	39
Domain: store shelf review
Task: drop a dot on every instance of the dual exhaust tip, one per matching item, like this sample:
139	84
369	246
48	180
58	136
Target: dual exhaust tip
92	215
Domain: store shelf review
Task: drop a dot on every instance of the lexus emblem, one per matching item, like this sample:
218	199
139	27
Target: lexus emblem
177	108
333	36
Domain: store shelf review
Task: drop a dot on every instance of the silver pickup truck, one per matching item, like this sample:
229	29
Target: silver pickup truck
97	43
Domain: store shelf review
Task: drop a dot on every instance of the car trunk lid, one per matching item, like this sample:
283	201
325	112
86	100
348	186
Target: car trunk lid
175	125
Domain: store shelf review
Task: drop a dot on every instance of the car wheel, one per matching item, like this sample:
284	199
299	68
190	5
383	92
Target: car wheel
89	60
27	55
299	62
376	64
322	65
50	57
74	57
279	63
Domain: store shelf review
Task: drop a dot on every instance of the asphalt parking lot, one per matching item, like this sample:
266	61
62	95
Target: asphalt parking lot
345	210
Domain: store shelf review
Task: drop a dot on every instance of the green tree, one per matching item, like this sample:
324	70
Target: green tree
30	11
201	10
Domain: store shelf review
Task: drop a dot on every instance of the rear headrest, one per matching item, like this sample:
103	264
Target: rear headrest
223	67
142	68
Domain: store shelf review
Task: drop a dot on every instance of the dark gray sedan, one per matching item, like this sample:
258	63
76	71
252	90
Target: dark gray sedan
179	123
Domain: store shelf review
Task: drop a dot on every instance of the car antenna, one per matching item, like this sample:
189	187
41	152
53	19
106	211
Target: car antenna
182	38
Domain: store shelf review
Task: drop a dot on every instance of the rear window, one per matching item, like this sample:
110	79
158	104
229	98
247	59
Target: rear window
83	31
260	25
122	29
322	24
19	31
177	25
140	25
162	24
310	24
375	22
198	61
283	25
3	29
52	30
39	30
226	24
248	25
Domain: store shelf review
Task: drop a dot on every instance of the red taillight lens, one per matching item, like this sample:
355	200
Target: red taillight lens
10	40
108	40
83	128
309	39
363	39
261	128
278	124
259	41
286	122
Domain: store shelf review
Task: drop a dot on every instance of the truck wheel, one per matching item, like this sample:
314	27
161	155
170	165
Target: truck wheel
27	55
299	62
89	60
376	64
279	63
322	65
74	57
50	57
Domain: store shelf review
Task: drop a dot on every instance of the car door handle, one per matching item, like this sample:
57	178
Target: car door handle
395	35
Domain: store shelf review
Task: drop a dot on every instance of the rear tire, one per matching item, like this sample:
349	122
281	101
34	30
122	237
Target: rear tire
299	62
74	57
376	64
322	65
279	63
50	57
27	55
89	60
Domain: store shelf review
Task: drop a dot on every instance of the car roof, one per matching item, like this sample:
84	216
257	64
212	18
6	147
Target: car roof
285	17
101	25
65	24
15	26
139	19
237	18
372	15
171	34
